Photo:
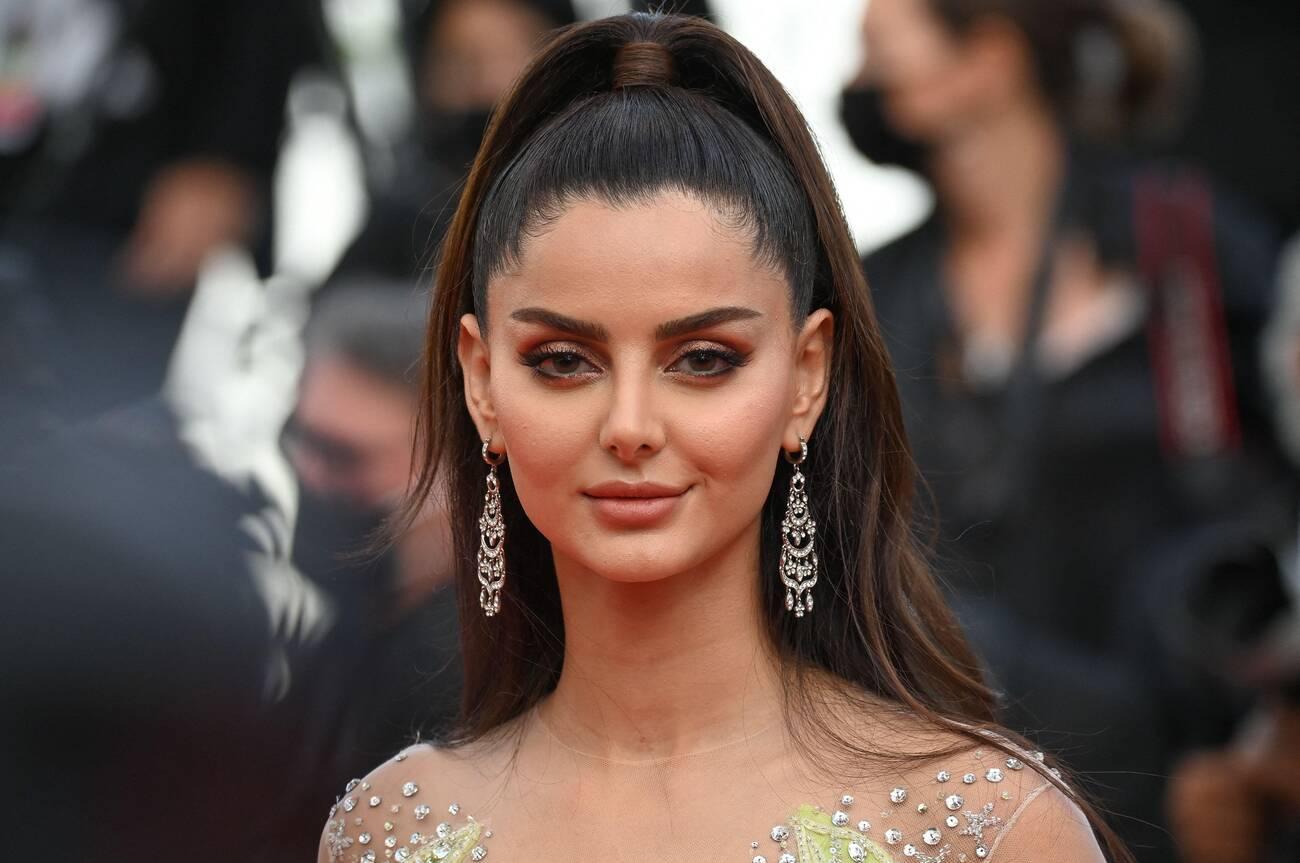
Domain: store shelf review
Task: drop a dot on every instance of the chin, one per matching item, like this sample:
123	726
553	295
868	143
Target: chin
639	560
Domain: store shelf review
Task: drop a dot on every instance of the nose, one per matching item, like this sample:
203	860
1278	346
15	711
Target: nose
632	429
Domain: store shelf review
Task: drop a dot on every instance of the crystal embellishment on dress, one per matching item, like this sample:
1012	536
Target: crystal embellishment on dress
978	822
954	802
421	812
1015	764
336	841
898	795
410	789
931	836
968	779
349	803
840	818
798	564
893	836
943	776
993	775
846	801
375	801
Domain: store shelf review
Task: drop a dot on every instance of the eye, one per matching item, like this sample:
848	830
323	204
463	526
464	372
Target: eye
707	362
559	363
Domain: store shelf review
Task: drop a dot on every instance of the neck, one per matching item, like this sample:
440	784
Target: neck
666	668
1002	176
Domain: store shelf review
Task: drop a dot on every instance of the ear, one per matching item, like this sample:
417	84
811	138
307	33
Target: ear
472	351
812	370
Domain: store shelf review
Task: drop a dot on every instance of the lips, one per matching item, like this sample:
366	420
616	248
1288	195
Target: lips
632	505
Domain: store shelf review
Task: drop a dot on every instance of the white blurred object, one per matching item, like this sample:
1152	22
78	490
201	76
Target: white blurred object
369	38
231	385
1281	351
814	52
320	196
234	373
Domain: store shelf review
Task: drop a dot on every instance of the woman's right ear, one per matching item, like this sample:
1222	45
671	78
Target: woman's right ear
472	350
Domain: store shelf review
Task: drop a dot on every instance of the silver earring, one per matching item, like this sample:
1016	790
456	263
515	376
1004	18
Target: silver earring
798	556
492	538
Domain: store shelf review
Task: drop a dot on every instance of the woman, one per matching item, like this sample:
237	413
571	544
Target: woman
679	644
1077	342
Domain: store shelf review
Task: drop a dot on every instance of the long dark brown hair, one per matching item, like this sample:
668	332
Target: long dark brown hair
622	108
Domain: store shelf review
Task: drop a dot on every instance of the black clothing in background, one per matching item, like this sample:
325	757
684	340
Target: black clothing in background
1245	122
381	678
1051	497
136	653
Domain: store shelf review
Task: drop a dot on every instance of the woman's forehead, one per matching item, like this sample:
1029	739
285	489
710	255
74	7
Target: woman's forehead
668	254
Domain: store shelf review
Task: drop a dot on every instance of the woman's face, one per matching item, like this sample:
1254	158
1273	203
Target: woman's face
642	373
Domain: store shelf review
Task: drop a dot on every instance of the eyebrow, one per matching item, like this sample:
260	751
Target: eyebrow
563	323
704	320
666	330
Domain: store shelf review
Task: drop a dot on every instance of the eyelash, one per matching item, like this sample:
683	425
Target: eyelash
539	355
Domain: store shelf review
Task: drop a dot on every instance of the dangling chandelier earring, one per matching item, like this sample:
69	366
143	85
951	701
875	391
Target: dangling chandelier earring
492	536
798	557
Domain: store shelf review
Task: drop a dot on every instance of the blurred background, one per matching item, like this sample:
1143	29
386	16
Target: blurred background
1081	222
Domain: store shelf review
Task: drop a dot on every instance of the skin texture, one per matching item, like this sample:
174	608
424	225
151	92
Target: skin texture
573	411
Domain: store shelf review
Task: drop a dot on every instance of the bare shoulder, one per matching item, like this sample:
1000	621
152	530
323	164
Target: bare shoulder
1049	825
952	794
411	802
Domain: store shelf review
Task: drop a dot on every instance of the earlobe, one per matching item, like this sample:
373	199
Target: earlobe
813	350
472	351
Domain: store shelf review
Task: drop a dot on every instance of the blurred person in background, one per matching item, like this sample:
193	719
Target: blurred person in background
1076	342
464	55
389	670
136	136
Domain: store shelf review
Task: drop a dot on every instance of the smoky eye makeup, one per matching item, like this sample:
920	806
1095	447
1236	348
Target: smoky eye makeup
706	360
560	361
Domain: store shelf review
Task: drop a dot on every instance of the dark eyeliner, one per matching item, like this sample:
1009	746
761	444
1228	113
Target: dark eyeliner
734	360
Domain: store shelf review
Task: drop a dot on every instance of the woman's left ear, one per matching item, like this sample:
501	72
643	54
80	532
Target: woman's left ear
812	370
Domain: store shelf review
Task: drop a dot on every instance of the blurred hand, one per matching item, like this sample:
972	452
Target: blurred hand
190	209
1214	811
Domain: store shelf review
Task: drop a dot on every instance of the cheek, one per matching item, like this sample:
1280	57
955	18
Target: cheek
727	434
547	432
